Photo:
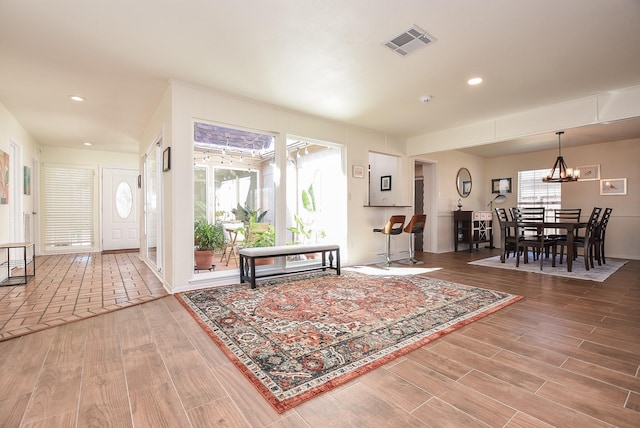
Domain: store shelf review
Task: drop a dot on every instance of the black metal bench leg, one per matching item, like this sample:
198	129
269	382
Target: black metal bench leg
253	272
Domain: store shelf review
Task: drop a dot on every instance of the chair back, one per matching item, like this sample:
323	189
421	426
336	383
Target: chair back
604	221
394	225
416	224
568	214
503	217
592	225
501	213
532	214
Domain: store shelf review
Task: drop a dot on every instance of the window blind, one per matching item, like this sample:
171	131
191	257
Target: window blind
533	192
69	206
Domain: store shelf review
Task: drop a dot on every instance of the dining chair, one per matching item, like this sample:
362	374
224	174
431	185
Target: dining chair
537	243
565	215
586	241
530	214
511	238
600	235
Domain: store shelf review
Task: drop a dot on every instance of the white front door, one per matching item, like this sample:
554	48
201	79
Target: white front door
120	209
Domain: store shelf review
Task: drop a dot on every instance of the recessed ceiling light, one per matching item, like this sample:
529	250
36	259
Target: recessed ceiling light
86	144
475	81
76	98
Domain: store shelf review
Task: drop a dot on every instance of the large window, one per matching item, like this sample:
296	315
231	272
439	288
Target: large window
315	192
69	217
233	174
533	192
237	174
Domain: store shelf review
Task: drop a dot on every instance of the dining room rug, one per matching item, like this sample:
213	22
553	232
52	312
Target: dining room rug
297	337
597	273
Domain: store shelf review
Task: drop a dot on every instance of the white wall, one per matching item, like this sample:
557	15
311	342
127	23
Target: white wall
12	131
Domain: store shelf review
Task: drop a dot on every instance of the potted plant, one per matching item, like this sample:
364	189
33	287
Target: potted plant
260	235
207	238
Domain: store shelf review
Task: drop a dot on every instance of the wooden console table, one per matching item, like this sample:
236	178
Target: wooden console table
472	227
19	269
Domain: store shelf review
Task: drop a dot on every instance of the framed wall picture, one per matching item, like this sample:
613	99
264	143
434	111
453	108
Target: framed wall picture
166	159
613	186
4	178
589	172
466	187
358	171
501	185
385	182
27	180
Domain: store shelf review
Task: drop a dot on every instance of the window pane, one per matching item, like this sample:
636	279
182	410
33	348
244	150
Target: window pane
200	196
314	185
124	200
69	207
533	192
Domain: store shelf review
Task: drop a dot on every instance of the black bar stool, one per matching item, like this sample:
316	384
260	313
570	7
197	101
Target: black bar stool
393	227
415	225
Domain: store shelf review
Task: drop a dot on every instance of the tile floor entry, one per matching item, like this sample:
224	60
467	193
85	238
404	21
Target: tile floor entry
70	287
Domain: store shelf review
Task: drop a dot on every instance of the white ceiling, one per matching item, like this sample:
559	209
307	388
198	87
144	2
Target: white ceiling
324	58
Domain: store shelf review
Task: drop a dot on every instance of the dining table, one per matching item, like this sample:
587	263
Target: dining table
570	226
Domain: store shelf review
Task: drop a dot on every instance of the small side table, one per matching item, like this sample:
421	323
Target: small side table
19	269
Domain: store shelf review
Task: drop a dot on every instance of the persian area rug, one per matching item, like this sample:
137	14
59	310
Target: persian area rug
597	273
297	337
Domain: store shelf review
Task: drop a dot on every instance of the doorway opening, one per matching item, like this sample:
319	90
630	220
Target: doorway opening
425	202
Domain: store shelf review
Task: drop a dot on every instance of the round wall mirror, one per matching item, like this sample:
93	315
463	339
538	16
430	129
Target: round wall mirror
463	182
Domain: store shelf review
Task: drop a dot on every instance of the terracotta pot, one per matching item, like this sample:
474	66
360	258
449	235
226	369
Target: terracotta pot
265	261
203	259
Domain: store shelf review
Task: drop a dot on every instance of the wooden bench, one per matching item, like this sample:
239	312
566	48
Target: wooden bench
248	257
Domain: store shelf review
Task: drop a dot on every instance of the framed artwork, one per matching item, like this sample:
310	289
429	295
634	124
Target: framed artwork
466	187
166	159
385	182
358	171
589	172
613	186
501	185
4	178
27	180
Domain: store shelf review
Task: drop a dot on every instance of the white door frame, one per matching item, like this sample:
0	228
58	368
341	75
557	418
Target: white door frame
111	220
430	174
16	216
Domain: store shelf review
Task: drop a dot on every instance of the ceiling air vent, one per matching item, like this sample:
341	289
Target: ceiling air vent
410	40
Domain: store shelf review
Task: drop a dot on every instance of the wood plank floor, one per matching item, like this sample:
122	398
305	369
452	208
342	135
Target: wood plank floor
568	355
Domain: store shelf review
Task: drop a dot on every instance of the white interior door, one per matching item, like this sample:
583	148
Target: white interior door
120	209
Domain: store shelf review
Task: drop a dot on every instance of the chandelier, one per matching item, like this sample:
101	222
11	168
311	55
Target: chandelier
560	173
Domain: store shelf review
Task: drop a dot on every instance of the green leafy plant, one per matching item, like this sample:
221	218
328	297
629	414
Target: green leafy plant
208	236
247	215
303	228
260	235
